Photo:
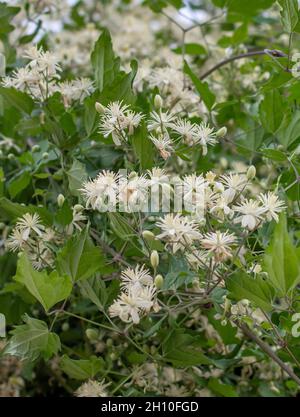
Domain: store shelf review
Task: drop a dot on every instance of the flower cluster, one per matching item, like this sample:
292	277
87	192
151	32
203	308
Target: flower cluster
165	128
31	236
137	297
40	78
118	121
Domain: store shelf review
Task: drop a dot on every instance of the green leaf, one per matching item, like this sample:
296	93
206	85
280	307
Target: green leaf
202	87
6	14
250	8
104	63
80	258
15	98
224	390
81	368
32	340
179	273
289	131
19	183
120	226
95	290
47	289
121	88
282	260
271	110
181	349
255	290
274	154
143	147
11	211
289	14
191	49
76	176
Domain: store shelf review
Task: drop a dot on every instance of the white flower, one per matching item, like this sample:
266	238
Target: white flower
16	240
136	278
133	192
160	120
235	184
43	62
164	144
132	304
251	213
186	129
271	205
205	136
194	191
220	206
218	244
119	121
178	230
198	258
28	223
92	388
73	90
101	191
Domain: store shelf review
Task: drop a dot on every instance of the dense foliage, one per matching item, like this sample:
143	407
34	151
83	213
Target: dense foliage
104	292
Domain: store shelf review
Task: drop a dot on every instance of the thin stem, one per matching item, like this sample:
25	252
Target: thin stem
273	53
267	349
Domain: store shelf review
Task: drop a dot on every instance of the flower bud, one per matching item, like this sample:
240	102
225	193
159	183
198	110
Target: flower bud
92	334
227	305
78	207
224	322
223	162
158	281
35	148
221	132
11	156
113	356
109	342
154	259
158	102
251	172
45	155
132	175
2	225
147	235
99	108
65	326
60	200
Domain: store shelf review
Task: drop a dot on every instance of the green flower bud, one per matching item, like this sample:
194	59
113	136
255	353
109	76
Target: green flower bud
2	225
92	334
35	148
158	102
109	342
60	200
154	259
132	175
99	108
45	155
147	235
78	207
65	326
221	132
251	172
11	156
159	281
224	162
